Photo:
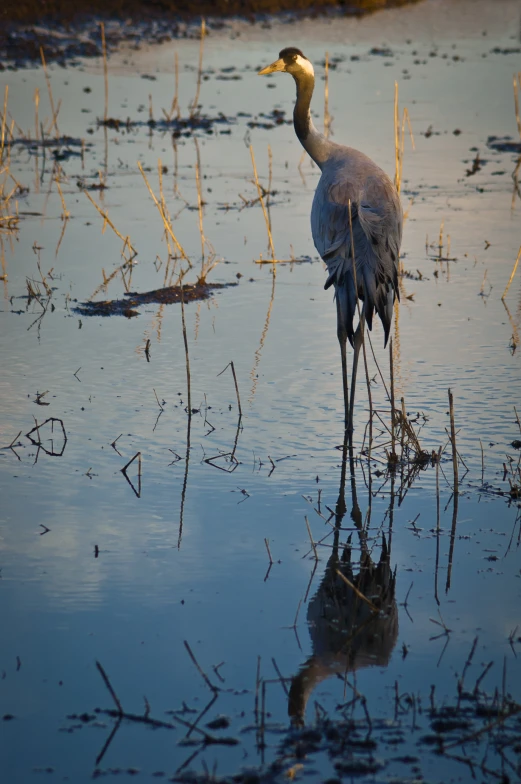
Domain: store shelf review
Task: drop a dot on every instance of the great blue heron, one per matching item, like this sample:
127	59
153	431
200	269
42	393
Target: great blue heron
352	193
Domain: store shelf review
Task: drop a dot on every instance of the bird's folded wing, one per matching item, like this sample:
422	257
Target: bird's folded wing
376	225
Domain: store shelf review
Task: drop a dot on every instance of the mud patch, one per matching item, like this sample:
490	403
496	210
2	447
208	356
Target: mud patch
164	296
504	144
69	31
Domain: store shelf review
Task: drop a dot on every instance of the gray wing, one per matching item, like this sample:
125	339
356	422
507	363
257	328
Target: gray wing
376	218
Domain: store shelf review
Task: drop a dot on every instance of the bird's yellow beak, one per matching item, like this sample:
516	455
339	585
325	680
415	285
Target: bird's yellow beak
278	65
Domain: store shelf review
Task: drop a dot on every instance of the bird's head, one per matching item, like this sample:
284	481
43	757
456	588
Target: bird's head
292	61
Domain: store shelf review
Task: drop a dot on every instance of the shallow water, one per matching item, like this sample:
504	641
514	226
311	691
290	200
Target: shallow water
125	580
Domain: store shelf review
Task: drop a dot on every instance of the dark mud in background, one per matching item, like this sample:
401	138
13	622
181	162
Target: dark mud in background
70	30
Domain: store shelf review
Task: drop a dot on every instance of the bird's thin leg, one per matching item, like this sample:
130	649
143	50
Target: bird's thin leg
342	339
359	336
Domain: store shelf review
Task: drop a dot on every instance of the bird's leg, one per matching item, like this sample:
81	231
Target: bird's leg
359	336
342	339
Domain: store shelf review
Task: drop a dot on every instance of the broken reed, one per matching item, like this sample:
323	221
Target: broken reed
313	545
107	222
230	364
261	199
167	223
453	443
513	273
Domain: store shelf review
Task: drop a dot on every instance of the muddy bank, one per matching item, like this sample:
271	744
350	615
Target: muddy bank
70	30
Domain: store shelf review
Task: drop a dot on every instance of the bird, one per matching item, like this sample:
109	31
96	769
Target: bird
356	211
349	629
353	617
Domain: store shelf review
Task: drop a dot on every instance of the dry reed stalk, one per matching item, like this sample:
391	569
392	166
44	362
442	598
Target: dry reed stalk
110	689
108	222
36	110
440	240
166	221
200	670
54	122
187	356
253	375
437	526
62	235
399	138
396	139
327	118
404	421
393	434
358	593
311	539
513	273
261	199
4	121
200	212
267	543
105	72
517	89
167	214
514	340
207	264
65	212
193	108
270	178
230	364
175	100
64	216
453	443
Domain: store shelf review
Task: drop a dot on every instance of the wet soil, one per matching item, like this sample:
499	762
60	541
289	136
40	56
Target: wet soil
163	296
68	31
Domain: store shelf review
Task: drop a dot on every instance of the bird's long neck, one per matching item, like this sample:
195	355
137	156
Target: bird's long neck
315	144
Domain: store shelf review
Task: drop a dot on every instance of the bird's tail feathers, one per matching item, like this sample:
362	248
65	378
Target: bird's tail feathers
346	306
385	309
377	293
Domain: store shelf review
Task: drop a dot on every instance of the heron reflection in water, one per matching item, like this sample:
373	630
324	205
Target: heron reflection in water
346	633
